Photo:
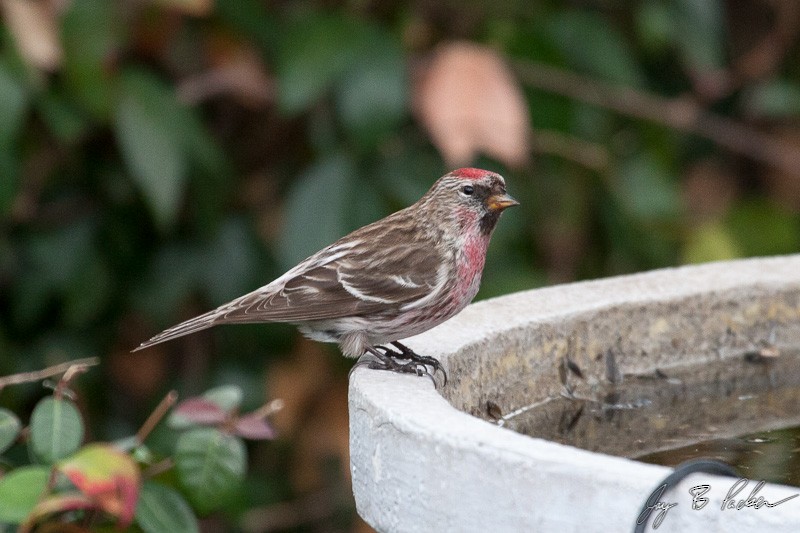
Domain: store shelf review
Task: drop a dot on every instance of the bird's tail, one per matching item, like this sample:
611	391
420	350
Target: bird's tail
192	325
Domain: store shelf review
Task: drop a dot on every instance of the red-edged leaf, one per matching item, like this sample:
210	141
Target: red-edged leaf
59	503
107	476
254	427
197	410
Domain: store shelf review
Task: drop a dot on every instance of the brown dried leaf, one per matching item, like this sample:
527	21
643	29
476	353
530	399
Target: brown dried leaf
470	102
34	26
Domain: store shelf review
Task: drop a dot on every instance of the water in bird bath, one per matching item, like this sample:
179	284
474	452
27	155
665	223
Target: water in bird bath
741	410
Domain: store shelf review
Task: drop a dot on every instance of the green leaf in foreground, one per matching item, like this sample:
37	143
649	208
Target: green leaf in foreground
162	509
211	465
56	429
20	491
9	429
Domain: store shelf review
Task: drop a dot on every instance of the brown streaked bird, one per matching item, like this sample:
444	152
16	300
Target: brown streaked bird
392	279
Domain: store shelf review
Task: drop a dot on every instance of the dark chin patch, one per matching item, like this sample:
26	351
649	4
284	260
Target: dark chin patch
489	221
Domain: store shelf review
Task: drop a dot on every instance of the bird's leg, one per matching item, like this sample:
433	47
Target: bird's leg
408	353
386	362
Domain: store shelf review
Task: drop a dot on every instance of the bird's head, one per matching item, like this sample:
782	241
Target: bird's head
472	196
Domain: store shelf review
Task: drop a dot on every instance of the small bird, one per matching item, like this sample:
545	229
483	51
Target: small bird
388	280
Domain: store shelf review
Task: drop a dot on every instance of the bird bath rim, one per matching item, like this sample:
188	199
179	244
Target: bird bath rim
420	464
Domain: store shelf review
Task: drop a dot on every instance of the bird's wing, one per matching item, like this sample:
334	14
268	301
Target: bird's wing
371	270
359	280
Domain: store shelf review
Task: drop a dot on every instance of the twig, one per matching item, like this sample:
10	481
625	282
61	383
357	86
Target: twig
70	367
156	416
267	409
678	113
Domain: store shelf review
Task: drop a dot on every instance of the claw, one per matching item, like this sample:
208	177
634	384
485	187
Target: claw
386	360
408	353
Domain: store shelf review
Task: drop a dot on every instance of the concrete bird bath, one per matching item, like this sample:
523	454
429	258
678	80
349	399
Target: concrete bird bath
433	460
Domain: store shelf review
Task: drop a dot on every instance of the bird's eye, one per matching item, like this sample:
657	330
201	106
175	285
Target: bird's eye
468	189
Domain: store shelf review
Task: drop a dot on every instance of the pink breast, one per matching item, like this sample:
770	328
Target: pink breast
470	267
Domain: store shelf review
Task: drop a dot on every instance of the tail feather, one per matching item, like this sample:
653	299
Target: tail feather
193	325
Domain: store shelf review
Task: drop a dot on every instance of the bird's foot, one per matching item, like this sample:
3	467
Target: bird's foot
407	353
387	361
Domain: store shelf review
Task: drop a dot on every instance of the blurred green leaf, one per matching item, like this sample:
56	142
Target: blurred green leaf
407	172
314	52
773	99
646	188
634	244
655	24
700	32
9	429
211	171
695	28
367	204
66	123
252	18
211	466
56	430
591	44
90	35
88	291
171	275
162	509
316	209
20	491
761	228
52	263
9	178
229	261
371	96
710	242
226	397
13	106
154	156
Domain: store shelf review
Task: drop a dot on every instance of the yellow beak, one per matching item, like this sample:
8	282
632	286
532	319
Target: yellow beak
498	202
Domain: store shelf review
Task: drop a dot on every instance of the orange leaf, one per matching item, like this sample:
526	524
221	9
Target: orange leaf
470	102
106	475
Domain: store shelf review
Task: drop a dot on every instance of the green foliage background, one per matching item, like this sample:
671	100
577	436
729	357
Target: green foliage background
124	209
